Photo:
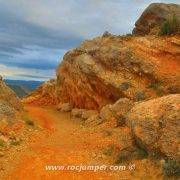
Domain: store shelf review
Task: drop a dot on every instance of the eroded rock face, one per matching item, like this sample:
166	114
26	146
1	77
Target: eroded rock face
102	70
155	125
9	102
43	95
152	19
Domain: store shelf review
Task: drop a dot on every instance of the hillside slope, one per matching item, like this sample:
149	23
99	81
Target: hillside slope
8	96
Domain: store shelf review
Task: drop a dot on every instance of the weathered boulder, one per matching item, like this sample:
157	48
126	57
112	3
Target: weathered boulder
83	113
155	16
122	106
89	113
155	125
106	113
93	121
77	113
65	107
117	111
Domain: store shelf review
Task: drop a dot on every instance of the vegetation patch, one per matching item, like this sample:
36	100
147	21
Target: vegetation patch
109	150
2	143
171	167
170	26
141	153
28	120
155	85
15	143
140	96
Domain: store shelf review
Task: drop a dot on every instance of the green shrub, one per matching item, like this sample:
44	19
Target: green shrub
140	96
171	167
141	153
15	143
155	155
124	86
155	85
2	143
159	92
170	26
30	122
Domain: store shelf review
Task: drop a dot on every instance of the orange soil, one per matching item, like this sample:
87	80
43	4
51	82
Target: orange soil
63	141
58	144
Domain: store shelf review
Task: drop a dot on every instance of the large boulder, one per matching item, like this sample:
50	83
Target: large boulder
83	114
117	111
65	107
155	125
155	16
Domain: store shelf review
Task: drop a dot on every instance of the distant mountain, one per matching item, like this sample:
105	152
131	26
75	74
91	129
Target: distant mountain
21	91
22	88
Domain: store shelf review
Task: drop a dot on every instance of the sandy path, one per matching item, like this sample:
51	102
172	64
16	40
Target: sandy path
61	142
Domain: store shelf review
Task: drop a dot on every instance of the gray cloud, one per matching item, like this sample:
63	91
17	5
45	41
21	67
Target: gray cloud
35	34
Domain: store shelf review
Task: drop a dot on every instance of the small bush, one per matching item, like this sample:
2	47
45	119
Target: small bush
170	26
141	153
159	92
30	122
171	167
140	96
155	155
123	156
15	143
124	86
121	121
2	143
155	85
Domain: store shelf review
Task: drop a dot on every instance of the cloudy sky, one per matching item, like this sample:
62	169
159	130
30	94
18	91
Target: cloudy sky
35	34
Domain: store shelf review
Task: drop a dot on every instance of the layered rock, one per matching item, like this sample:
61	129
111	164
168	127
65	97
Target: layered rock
102	70
45	94
9	102
155	15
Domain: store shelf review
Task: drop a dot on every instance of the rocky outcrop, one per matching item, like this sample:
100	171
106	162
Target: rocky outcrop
115	113
102	70
9	102
45	94
83	113
155	125
155	15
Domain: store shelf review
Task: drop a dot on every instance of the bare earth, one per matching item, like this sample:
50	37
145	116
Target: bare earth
63	141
